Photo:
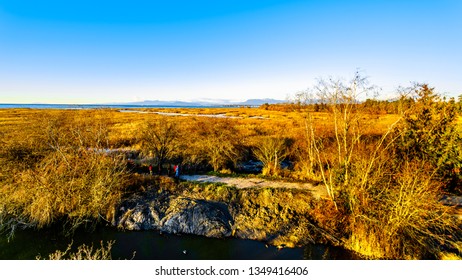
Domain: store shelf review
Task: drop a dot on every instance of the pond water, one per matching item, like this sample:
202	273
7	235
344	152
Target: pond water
152	245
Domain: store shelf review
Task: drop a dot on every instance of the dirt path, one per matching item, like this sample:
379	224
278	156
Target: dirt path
247	183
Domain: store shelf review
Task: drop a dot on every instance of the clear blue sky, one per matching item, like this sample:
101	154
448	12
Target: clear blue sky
114	51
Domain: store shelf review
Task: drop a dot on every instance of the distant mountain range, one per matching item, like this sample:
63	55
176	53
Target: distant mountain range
249	102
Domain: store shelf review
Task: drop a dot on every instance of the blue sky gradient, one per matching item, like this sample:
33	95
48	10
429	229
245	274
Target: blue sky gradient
121	51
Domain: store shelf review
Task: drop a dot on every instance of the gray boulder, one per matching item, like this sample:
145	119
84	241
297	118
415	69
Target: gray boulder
141	216
200	217
175	215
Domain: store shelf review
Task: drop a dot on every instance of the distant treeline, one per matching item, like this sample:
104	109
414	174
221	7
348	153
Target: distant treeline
371	106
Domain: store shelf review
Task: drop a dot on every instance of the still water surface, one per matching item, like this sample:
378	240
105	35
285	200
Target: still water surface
151	245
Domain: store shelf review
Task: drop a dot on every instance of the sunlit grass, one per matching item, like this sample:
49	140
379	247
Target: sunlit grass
49	172
84	252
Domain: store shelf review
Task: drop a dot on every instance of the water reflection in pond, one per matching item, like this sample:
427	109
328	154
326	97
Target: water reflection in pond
151	245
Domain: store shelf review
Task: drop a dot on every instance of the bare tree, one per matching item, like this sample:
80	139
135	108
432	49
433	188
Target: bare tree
159	139
342	100
218	142
271	151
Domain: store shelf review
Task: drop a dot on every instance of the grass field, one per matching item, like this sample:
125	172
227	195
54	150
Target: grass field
382	192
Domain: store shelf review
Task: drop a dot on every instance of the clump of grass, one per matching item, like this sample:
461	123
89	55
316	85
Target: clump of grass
398	214
449	256
87	189
70	177
84	252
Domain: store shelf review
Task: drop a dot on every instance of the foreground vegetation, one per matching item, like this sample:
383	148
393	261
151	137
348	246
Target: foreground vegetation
385	166
84	252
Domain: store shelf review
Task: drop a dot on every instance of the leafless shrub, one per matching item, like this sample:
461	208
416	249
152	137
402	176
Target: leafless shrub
84	252
271	152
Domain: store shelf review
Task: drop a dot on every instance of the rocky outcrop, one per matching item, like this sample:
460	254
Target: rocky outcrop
175	215
200	217
279	216
143	216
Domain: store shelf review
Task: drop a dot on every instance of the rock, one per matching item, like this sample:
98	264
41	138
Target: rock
175	215
252	234
142	216
198	217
